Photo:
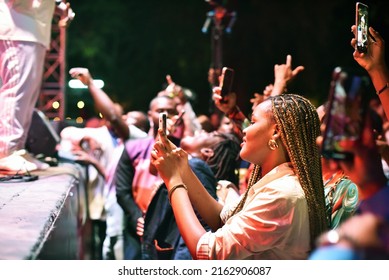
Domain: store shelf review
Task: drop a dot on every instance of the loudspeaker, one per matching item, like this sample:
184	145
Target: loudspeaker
42	137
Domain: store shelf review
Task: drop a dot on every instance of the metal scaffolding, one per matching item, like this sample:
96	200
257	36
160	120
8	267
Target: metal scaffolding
53	84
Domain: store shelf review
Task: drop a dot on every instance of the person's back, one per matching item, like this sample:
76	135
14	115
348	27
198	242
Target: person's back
135	181
23	21
113	247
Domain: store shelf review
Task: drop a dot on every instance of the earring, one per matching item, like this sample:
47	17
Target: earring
272	144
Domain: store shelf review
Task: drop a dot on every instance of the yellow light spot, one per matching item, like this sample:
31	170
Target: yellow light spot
80	104
55	105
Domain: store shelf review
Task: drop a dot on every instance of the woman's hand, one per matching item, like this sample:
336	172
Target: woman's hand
374	59
169	160
81	74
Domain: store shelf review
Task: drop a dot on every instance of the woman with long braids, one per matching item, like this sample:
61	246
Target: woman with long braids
283	210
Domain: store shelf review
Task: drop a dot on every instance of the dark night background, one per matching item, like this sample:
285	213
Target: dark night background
132	45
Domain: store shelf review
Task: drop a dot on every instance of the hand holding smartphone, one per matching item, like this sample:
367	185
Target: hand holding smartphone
362	24
345	114
226	80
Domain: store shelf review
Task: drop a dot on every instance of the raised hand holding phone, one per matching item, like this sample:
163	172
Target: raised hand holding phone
226	80
345	114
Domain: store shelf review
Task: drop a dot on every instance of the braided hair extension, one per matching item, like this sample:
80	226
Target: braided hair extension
299	125
225	160
298	122
254	177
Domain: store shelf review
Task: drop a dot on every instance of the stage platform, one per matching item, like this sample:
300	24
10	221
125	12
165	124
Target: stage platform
45	218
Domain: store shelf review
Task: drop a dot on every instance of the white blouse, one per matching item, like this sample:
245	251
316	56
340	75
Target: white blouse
273	223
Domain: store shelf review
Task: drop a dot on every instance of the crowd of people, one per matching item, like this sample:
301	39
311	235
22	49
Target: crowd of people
182	194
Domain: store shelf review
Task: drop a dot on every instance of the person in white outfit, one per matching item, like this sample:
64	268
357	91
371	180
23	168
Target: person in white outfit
25	31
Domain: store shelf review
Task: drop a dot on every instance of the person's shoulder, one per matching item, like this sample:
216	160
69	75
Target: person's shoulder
197	162
136	133
138	147
139	142
287	185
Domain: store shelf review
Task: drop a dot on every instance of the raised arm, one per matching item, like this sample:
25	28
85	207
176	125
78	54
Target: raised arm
102	102
374	63
284	74
231	110
66	12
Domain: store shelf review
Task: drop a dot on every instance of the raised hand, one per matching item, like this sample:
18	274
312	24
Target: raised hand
230	100
168	159
81	74
283	74
374	58
66	12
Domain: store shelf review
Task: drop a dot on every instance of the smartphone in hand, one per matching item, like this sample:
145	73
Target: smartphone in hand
226	80
162	122
362	24
345	113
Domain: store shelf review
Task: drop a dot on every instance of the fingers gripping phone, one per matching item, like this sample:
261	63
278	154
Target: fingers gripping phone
345	114
362	23
162	122
226	80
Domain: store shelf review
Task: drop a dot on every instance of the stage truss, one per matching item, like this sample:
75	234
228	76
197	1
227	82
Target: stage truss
53	84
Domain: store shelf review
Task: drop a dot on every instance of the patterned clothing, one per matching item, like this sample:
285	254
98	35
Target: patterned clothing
341	196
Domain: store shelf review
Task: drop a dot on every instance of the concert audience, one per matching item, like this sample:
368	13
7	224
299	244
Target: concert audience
365	235
104	211
270	221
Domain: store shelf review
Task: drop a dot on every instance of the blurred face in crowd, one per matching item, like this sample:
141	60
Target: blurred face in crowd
159	105
226	125
200	144
138	119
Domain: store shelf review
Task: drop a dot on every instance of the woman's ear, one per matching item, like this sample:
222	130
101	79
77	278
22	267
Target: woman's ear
276	133
206	153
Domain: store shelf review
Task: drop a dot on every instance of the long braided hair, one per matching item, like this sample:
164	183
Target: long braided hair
299	127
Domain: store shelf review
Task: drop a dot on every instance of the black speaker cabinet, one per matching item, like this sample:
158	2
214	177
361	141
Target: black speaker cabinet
42	137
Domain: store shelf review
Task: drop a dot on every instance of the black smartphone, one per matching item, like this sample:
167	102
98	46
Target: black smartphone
362	23
162	122
345	112
226	80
